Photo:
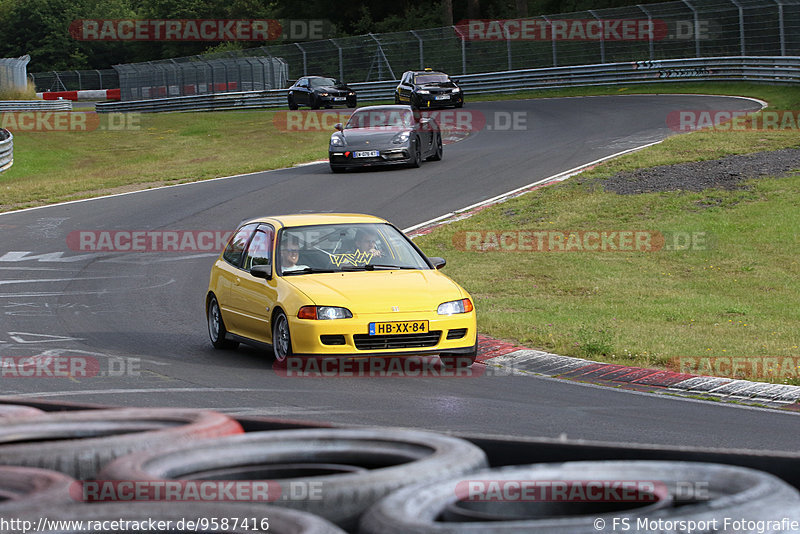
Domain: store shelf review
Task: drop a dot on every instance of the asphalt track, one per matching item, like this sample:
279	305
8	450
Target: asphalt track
141	314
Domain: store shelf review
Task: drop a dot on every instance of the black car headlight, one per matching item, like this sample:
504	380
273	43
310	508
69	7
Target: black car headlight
457	90
423	92
401	138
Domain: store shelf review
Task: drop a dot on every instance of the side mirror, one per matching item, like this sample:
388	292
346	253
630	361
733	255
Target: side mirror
339	126
438	262
262	271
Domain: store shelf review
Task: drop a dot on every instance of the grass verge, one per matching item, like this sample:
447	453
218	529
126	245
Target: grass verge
147	150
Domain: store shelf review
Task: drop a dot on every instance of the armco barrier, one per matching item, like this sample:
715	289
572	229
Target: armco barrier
35	105
89	94
6	149
768	69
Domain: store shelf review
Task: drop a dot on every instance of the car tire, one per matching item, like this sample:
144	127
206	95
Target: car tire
729	491
352	103
437	156
79	443
17	411
216	327
354	468
460	104
281	338
251	517
416	159
396	98
314	102
459	361
292	104
26	488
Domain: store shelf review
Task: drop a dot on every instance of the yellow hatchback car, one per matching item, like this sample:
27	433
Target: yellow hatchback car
336	285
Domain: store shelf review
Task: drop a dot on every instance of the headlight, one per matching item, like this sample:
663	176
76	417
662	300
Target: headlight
400	138
323	312
351	94
323	94
337	140
457	90
423	91
455	306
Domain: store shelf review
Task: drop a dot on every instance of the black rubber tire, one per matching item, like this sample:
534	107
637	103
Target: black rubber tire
79	443
281	338
279	520
367	464
352	102
460	104
17	411
732	492
416	161
396	98
26	488
314	102
292	104
437	156
216	326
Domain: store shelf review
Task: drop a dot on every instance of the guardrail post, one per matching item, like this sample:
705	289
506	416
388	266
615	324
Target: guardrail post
341	62
80	84
553	40
421	57
696	28
463	51
741	26
782	27
603	38
305	65
508	44
650	20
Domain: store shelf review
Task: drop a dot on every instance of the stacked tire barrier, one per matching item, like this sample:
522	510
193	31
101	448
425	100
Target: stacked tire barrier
119	468
6	149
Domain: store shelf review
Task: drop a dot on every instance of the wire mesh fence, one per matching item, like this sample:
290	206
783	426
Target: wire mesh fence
649	32
13	73
75	80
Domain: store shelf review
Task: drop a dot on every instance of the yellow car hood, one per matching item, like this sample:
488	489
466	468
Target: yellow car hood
379	291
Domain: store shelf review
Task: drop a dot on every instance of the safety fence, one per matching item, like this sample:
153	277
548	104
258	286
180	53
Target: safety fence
758	69
12	73
35	105
6	149
75	80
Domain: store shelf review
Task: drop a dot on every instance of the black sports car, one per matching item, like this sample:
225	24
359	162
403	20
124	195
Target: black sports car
385	135
319	91
428	89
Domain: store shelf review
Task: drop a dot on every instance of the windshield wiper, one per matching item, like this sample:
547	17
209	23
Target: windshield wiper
306	270
373	266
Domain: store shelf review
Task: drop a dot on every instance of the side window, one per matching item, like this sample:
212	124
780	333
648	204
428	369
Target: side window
260	250
235	249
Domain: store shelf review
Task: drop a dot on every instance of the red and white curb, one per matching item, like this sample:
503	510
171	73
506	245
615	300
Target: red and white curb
513	359
87	94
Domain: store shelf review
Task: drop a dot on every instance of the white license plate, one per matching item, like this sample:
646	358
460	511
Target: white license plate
365	154
339	98
443	97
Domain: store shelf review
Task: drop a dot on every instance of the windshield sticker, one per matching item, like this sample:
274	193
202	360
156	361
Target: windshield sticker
353	258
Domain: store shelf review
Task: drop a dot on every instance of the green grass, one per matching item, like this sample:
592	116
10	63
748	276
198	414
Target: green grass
180	147
734	297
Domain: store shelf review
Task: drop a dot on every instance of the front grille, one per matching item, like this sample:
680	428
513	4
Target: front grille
456	333
400	341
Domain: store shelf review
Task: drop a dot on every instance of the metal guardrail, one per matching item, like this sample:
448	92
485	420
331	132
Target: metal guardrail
35	105
768	69
6	150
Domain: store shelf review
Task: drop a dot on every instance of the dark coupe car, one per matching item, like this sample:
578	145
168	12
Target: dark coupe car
428	89
319	91
385	135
